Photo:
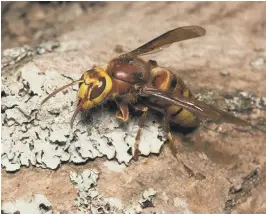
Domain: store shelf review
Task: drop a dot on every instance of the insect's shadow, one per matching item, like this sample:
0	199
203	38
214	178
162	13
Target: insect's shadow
88	118
110	107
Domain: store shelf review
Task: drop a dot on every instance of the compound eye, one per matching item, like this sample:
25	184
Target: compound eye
98	90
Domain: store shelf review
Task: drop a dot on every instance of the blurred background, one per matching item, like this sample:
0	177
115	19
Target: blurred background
235	38
34	22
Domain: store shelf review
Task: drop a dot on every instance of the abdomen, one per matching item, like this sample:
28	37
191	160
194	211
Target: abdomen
167	81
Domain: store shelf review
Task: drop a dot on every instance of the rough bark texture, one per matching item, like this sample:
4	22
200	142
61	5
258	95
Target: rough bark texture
45	46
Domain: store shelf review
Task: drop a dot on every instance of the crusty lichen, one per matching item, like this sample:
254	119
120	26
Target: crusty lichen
41	136
148	198
89	199
38	204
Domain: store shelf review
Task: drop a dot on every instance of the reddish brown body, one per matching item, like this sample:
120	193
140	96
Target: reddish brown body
126	73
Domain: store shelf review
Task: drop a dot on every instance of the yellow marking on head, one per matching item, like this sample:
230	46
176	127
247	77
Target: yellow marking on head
91	81
108	87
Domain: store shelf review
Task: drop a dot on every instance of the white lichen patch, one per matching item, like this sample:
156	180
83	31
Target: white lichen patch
34	79
244	101
147	199
15	55
38	204
114	166
147	143
89	199
41	135
114	202
12	56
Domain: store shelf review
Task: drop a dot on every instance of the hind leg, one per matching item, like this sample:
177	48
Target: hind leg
141	122
170	138
173	148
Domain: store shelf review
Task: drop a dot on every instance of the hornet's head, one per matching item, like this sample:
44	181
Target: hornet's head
94	85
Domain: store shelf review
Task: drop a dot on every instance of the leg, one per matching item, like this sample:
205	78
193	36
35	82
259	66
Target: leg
123	112
141	122
172	146
169	135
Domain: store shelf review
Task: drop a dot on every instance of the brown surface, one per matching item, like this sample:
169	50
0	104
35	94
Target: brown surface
236	35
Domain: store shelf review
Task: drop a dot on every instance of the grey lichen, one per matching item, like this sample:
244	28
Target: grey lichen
41	136
16	55
244	102
148	198
38	204
114	166
237	102
89	199
12	56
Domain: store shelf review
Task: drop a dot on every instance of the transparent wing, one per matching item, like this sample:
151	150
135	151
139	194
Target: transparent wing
166	39
200	109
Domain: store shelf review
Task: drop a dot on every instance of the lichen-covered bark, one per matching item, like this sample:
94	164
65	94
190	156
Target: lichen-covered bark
226	167
41	135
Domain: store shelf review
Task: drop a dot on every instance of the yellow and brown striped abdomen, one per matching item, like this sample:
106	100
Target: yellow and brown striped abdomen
168	81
